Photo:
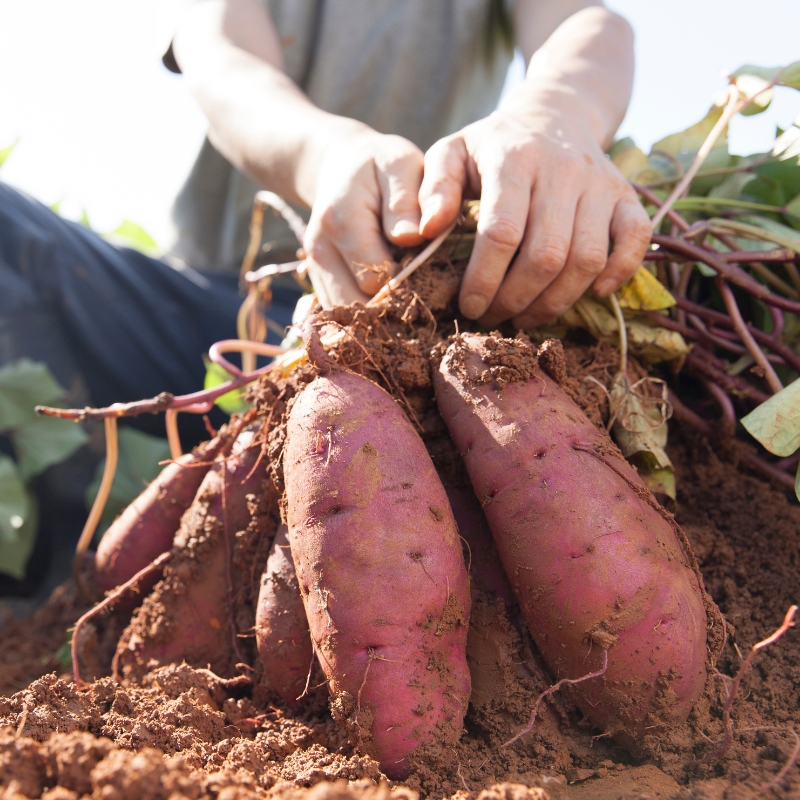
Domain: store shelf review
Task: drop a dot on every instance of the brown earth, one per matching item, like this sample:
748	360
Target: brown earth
176	731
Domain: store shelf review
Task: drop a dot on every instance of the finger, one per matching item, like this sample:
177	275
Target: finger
330	276
443	184
505	204
587	258
630	232
544	250
399	177
352	227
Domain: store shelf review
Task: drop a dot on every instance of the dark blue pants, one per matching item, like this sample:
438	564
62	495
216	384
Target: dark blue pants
113	324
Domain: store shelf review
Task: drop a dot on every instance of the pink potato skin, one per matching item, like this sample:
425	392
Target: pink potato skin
282	637
592	561
380	567
187	617
146	528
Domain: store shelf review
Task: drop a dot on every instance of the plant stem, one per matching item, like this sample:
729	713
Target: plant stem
112	453
747	337
731	272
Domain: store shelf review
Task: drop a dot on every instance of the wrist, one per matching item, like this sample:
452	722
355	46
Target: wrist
556	111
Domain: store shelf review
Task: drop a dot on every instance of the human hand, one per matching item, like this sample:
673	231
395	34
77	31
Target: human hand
550	203
366	190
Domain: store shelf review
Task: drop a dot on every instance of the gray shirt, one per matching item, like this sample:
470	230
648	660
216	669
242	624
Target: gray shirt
418	68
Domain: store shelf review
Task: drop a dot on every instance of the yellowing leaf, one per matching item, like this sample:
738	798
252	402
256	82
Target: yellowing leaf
644	291
5	152
776	422
646	338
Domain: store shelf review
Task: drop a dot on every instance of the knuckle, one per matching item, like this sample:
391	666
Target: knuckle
549	257
591	261
329	220
503	233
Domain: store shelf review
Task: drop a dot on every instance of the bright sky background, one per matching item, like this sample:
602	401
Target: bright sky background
102	126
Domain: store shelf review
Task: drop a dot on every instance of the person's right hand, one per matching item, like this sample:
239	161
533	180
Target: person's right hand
366	190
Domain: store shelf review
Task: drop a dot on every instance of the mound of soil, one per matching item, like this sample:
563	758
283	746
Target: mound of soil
166	730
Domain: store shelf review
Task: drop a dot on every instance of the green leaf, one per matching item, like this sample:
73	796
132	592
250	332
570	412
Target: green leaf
792	209
790	75
14	503
690	140
731	188
19	520
44	441
138	465
38	441
776	422
25	384
129	234
231	403
64	653
6	151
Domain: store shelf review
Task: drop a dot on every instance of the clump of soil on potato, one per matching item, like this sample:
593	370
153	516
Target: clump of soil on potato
175	730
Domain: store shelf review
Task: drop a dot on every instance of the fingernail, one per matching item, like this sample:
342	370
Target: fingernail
605	287
431	208
473	305
404	227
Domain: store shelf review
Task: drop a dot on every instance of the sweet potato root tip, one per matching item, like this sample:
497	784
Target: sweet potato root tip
282	636
146	528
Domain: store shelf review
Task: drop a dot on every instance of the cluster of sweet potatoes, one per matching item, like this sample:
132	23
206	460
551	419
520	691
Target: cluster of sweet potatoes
367	575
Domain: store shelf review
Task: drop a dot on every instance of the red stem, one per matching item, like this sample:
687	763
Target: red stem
783	350
747	337
656	201
731	272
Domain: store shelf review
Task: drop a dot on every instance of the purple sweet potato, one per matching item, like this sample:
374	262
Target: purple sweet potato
380	567
282	637
187	616
485	568
595	563
146	528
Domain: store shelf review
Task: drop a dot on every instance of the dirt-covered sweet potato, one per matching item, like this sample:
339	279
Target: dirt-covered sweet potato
146	528
380	567
282	637
187	616
595	563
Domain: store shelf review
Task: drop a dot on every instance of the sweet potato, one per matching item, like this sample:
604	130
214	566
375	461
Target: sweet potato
380	568
595	563
282	637
146	528
485	568
188	614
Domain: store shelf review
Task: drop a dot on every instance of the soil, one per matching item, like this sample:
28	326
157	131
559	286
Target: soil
177	731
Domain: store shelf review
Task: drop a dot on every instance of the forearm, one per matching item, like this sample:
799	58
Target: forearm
238	83
581	78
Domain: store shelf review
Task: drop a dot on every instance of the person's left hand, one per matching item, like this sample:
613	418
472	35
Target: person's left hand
549	195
